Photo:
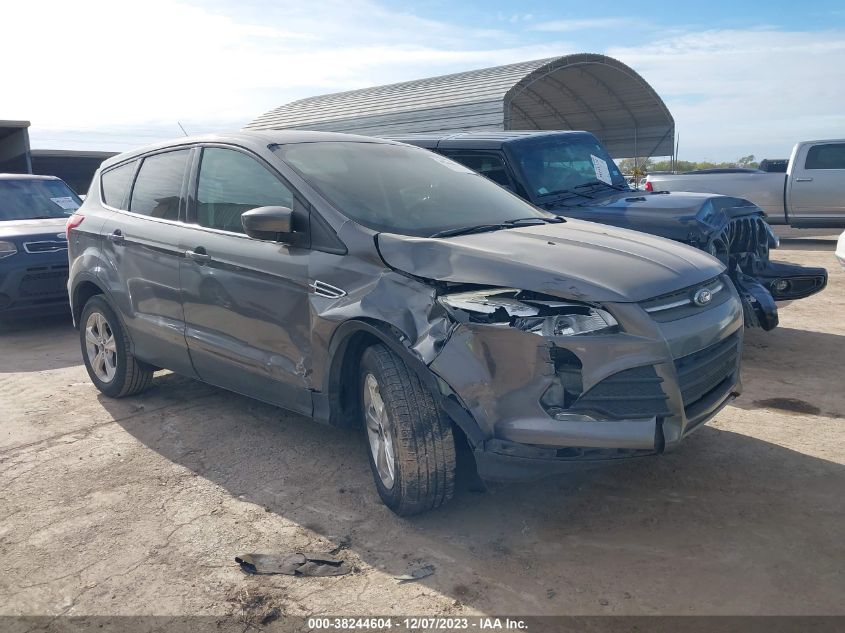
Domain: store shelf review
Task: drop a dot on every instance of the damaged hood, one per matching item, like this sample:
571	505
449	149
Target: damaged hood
677	215
571	260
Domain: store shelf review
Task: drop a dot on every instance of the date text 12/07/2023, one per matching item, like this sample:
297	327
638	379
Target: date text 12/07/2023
417	623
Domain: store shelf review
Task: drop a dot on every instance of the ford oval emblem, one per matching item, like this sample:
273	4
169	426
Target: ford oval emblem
702	297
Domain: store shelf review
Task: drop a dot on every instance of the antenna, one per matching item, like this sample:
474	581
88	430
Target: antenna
181	128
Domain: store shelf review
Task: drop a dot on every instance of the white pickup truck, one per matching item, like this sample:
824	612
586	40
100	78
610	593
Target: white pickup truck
810	195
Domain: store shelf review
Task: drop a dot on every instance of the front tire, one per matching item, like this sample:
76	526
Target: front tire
410	441
106	352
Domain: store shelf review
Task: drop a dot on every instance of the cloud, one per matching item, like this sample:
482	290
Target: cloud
102	65
100	74
561	26
735	92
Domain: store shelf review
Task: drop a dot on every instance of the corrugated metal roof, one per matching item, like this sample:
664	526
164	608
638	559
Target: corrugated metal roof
575	92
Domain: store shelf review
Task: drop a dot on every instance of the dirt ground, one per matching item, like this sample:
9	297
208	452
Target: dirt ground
139	506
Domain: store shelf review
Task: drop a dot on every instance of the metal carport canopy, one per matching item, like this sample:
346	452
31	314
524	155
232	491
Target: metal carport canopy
575	92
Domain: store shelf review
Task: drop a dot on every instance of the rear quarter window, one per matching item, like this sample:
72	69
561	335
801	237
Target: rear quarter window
828	156
115	185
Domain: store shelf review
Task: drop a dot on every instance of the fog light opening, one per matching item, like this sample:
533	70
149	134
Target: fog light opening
781	286
566	387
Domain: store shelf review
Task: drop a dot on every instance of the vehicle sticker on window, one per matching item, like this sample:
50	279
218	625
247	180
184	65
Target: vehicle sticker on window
67	203
602	172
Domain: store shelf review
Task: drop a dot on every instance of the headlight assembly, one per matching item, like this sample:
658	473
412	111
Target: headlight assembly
7	249
529	312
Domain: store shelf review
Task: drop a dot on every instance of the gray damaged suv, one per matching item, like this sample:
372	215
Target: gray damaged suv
368	282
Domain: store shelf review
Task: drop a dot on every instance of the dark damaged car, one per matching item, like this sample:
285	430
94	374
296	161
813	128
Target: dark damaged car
374	284
572	175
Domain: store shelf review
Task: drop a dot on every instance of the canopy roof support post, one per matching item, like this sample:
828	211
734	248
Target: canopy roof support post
636	153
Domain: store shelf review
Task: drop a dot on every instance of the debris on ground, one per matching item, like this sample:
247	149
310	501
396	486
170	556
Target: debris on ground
294	564
416	574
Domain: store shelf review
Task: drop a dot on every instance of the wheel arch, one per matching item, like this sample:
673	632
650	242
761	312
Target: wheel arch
81	292
337	407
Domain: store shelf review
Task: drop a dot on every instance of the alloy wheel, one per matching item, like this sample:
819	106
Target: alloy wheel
378	431
100	347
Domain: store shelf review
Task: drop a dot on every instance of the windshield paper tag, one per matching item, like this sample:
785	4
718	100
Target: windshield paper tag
602	172
67	203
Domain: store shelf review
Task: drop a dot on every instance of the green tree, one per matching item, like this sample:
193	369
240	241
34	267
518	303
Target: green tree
636	167
747	161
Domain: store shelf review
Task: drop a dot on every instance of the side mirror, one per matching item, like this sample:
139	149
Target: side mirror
266	223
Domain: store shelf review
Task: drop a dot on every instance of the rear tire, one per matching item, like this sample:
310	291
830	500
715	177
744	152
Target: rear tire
410	441
106	352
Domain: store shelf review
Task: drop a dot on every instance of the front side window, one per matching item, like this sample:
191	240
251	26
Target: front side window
554	166
35	199
402	189
230	183
116	184
829	156
158	187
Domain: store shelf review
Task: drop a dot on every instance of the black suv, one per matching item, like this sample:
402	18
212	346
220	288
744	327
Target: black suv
368	282
570	174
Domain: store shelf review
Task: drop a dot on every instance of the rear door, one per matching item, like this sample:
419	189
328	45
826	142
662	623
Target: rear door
817	183
245	300
141	245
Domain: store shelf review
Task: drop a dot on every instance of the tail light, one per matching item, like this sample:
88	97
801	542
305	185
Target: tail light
72	222
649	186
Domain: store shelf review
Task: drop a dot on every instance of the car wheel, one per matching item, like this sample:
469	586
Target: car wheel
410	441
105	349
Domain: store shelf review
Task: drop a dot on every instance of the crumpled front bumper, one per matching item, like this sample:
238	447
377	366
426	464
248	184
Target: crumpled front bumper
641	391
773	283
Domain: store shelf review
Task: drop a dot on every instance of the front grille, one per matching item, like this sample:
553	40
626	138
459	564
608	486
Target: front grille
40	281
680	304
47	246
747	235
633	393
704	372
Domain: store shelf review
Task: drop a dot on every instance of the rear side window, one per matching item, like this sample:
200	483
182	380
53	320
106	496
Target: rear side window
830	156
158	187
230	182
490	165
116	185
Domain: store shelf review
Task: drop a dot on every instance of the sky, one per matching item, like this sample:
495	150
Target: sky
740	77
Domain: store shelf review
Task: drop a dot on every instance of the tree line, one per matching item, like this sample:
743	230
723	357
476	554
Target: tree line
644	166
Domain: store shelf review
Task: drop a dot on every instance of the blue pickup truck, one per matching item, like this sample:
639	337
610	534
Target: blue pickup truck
33	244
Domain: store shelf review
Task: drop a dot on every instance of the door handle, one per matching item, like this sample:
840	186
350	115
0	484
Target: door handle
803	180
116	237
198	255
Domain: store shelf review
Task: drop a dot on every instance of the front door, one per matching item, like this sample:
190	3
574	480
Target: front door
818	182
245	300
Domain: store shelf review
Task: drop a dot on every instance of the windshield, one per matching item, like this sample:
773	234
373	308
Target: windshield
30	199
403	189
552	166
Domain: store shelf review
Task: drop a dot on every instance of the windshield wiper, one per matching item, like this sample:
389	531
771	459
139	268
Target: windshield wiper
572	193
601	183
507	224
